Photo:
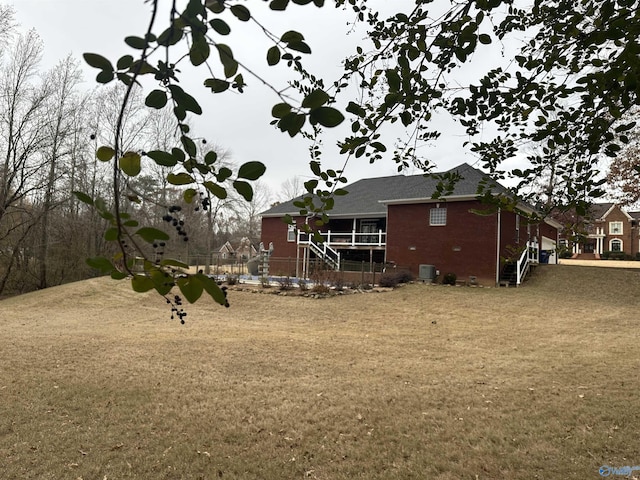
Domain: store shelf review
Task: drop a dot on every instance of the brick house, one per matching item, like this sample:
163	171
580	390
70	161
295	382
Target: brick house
606	228
395	220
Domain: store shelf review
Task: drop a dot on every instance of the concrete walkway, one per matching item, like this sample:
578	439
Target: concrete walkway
600	263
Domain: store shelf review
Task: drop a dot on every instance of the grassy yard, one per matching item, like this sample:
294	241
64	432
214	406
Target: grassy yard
425	382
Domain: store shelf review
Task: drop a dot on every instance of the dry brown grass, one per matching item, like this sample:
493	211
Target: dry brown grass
423	382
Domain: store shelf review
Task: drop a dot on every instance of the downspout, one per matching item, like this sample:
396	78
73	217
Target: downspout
498	251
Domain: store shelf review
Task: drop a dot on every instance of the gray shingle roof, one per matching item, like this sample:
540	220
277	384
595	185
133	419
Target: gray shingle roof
367	196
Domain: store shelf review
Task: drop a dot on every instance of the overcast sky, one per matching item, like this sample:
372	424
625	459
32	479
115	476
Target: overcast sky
238	123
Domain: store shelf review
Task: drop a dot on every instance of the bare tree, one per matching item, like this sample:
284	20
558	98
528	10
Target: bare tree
291	188
60	110
22	103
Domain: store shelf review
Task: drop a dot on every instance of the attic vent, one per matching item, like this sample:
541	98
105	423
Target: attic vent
427	272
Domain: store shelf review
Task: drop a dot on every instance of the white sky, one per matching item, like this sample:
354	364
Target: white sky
238	123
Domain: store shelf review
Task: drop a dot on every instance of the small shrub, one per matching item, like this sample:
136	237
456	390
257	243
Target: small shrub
449	279
264	281
404	276
609	255
566	253
303	285
285	283
321	288
389	280
232	280
338	284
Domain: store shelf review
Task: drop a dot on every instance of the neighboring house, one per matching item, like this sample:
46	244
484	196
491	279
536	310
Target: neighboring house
245	250
226	251
395	220
607	228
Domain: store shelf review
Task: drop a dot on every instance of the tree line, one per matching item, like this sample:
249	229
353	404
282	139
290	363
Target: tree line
50	129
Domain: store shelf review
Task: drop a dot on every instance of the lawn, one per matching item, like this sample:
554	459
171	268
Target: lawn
424	382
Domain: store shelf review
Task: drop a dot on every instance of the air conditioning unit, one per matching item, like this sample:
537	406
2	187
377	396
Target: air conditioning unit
427	273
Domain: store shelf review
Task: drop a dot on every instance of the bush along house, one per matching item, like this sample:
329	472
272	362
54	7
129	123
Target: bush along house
396	221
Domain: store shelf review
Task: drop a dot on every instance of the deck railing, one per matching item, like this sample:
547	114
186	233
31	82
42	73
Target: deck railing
347	239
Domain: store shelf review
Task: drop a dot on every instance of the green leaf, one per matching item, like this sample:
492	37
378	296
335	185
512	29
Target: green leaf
100	263
184	100
136	42
162	281
104	154
124	62
105	76
83	197
191	287
278	4
156	99
97	61
252	170
130	163
189	194
170	36
273	56
292	123
244	189
111	234
280	110
180	179
327	116
210	158
356	109
301	47
216	6
484	39
199	51
216	85
315	99
223	174
212	288
118	275
164	159
226	57
292	36
150	235
220	26
215	189
142	283
241	12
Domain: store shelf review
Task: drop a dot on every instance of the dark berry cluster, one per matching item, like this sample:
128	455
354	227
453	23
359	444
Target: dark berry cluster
158	249
173	218
204	203
176	308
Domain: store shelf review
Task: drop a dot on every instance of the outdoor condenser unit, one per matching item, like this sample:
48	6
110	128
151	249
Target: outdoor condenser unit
427	273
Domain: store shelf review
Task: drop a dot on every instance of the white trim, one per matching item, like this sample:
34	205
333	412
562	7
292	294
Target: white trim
616	240
621	232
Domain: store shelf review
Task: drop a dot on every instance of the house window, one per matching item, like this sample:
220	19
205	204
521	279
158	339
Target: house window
615	228
615	245
438	216
291	233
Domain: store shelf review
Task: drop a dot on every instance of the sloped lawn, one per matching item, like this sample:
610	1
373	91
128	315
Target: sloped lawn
424	382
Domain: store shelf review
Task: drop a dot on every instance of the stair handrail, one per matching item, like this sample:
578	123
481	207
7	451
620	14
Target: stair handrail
328	254
522	266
